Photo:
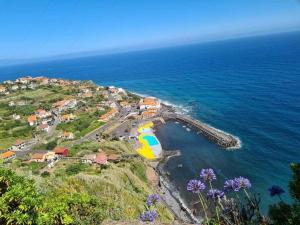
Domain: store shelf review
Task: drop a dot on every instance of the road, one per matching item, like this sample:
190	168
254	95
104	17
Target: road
118	121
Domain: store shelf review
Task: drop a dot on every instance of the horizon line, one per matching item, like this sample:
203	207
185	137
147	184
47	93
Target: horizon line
112	51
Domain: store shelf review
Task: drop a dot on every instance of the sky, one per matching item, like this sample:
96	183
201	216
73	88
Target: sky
45	28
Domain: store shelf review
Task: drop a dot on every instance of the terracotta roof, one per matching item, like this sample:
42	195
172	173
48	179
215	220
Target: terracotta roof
108	114
41	111
31	118
60	150
67	117
67	133
113	157
19	142
38	155
149	112
101	158
149	101
43	126
6	155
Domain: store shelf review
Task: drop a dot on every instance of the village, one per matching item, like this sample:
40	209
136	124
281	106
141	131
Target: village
46	120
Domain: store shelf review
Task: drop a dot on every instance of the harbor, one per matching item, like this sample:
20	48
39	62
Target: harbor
219	137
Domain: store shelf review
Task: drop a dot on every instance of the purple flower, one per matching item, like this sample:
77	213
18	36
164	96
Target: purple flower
208	175
215	194
195	186
153	199
242	182
275	190
148	216
231	185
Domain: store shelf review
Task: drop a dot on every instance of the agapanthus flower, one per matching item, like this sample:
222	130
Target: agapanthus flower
195	186
242	182
215	194
275	190
231	185
153	199
208	175
149	216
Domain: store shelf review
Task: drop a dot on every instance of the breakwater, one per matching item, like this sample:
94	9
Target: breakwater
221	138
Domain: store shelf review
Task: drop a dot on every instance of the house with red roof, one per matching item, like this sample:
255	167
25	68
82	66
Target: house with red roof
44	127
61	151
101	158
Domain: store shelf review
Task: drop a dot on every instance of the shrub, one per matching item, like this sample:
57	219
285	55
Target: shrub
45	174
74	169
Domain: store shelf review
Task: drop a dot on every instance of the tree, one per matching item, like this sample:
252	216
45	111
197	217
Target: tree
19	199
286	214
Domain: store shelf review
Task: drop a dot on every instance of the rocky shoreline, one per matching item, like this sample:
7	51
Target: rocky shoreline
169	192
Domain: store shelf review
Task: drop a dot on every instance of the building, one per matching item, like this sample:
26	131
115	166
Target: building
43	156
68	135
67	118
16	116
107	116
42	80
19	145
149	113
65	104
8	82
113	157
8	155
44	127
89	159
101	158
24	80
14	87
61	151
32	120
41	113
125	105
2	89
149	103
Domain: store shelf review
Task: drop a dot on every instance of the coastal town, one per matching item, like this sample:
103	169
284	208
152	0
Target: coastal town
39	112
56	127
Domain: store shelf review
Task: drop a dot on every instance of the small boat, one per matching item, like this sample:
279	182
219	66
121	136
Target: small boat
184	126
188	129
179	165
177	122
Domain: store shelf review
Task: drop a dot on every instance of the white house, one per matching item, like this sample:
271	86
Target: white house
19	145
149	103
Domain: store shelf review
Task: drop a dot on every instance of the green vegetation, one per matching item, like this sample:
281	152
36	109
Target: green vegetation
70	192
77	199
288	214
47	146
82	125
34	167
75	168
138	168
84	148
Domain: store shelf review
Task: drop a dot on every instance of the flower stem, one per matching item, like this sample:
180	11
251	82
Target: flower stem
249	198
217	211
203	206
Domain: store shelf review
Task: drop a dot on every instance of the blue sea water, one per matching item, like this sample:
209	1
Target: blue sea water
248	87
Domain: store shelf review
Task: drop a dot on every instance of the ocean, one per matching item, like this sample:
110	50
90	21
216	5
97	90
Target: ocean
249	87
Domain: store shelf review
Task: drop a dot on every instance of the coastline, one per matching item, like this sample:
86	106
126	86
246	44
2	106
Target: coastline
170	193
